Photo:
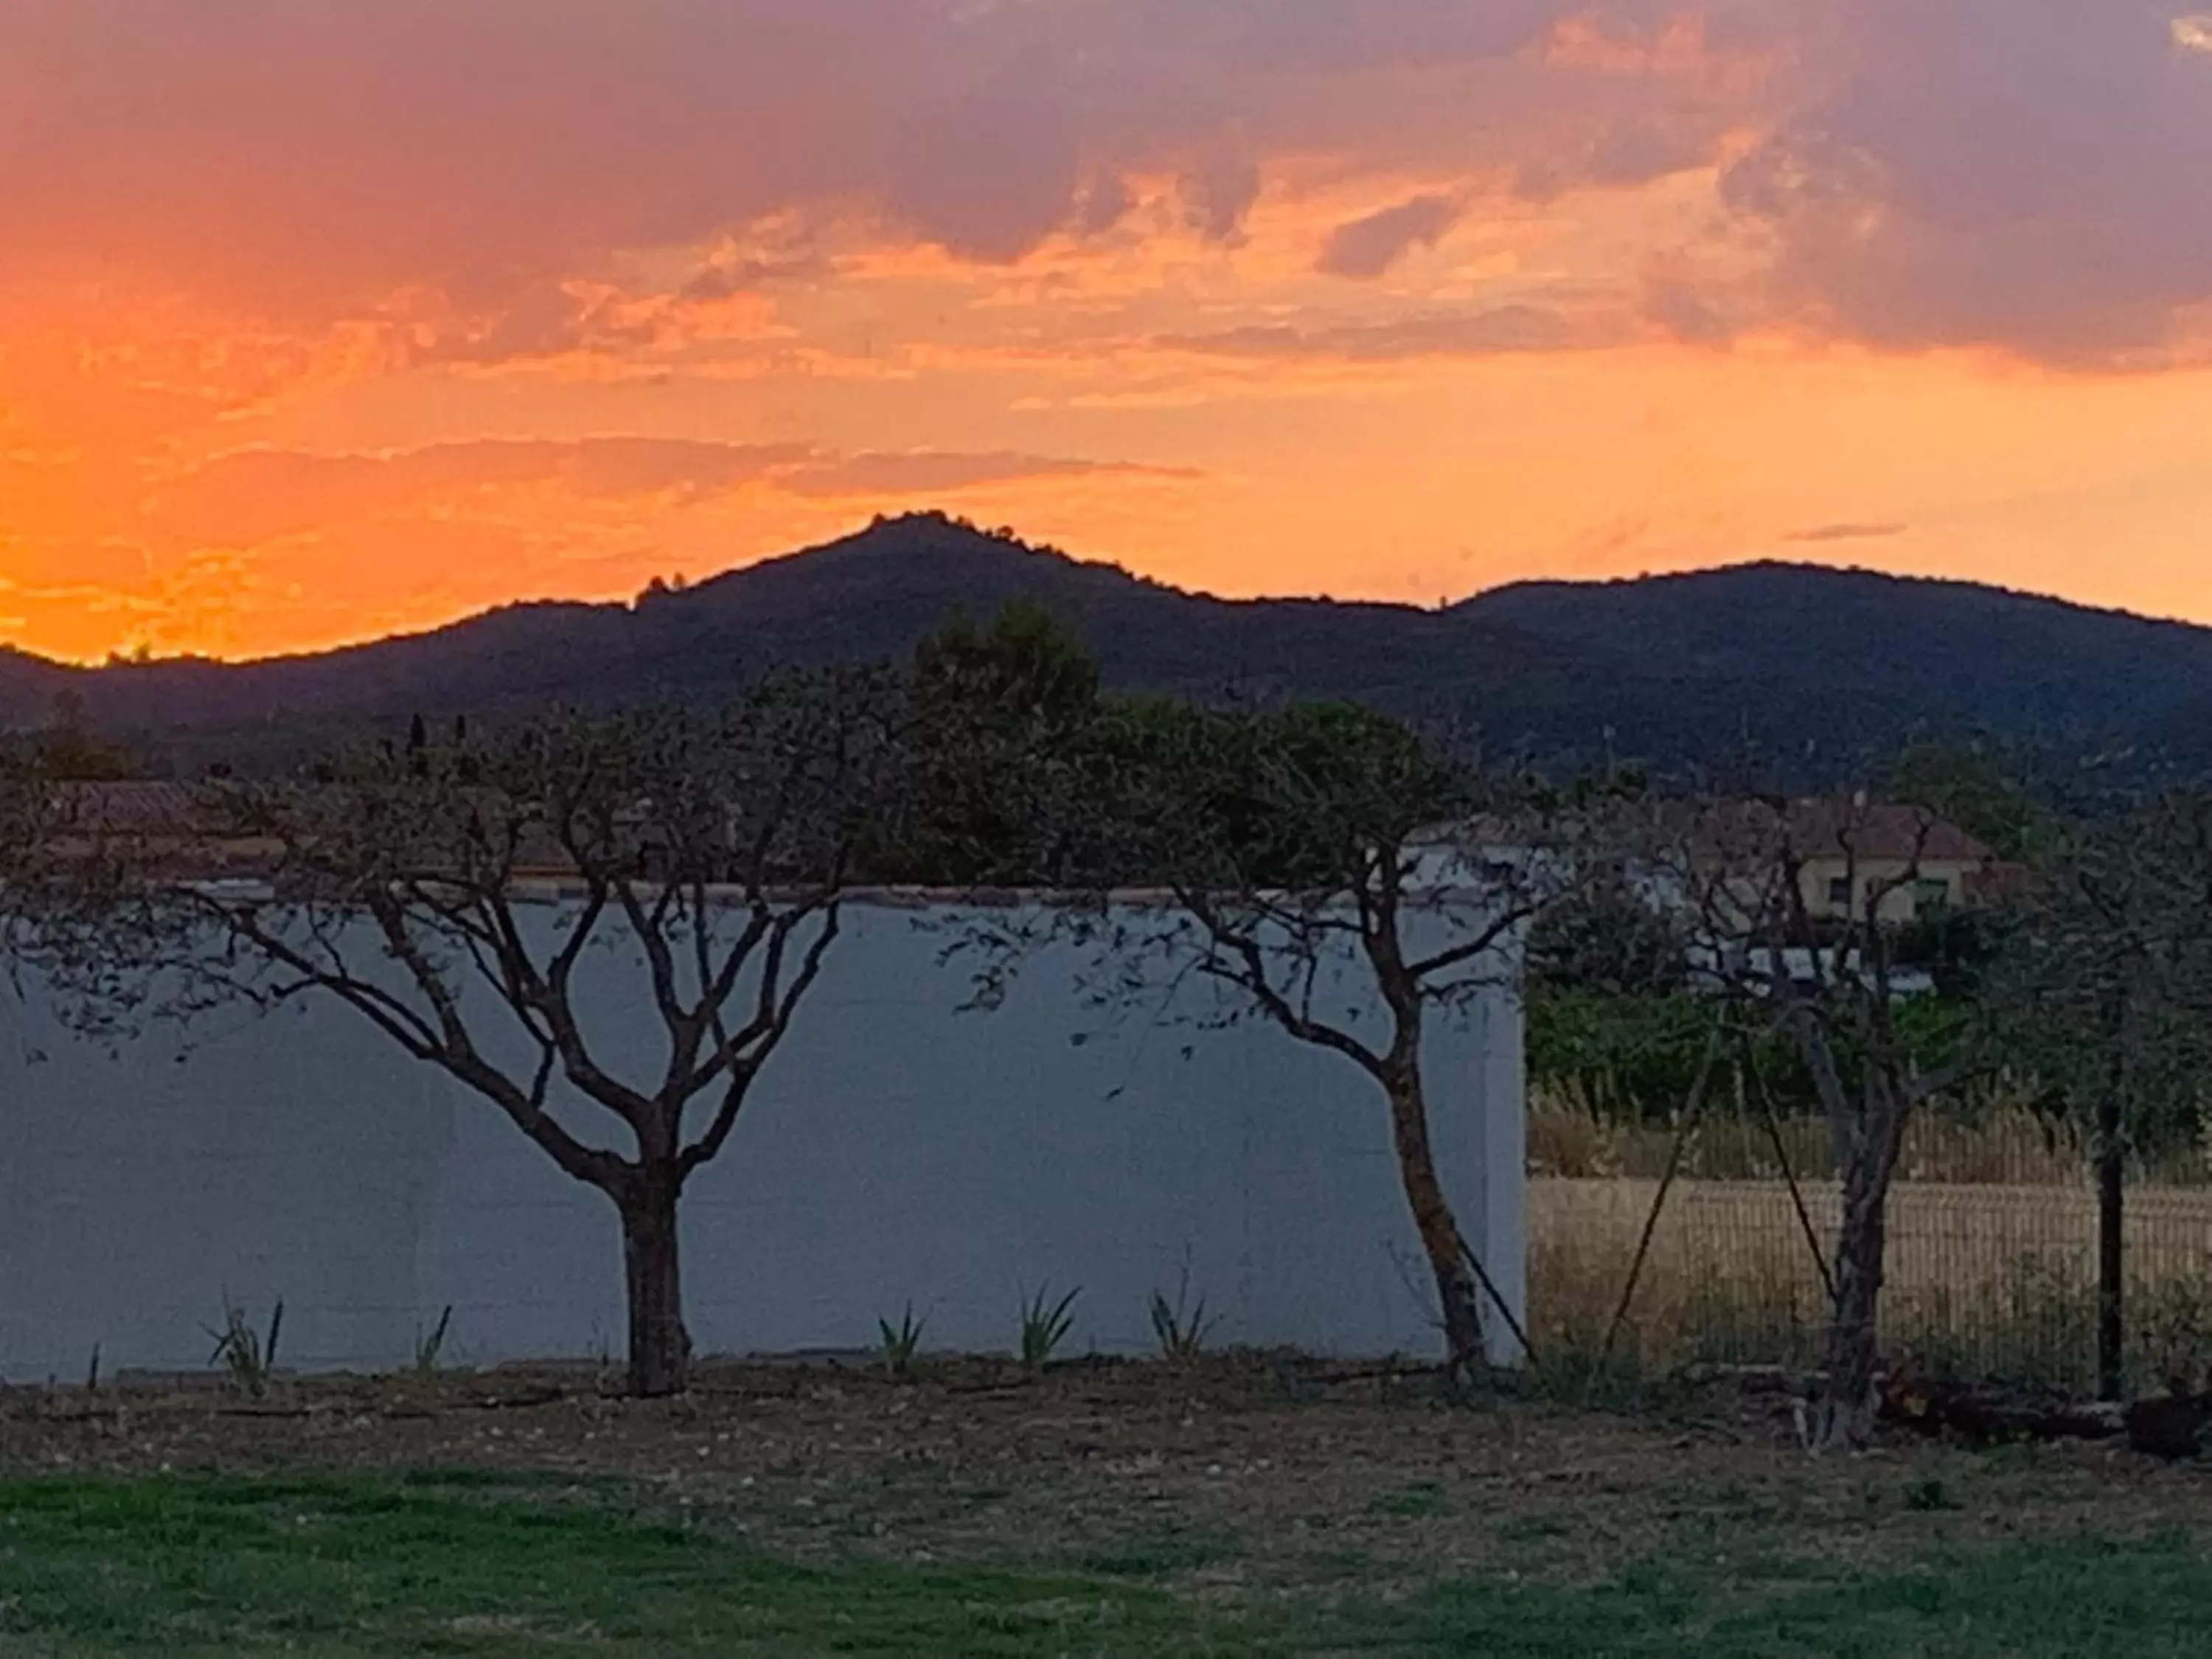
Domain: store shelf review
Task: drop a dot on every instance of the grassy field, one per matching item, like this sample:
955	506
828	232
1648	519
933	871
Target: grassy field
336	1566
1983	1279
2079	1598
447	1564
1244	1506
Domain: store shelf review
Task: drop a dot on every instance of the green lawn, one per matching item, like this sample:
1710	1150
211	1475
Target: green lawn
2081	1599
477	1565
342	1567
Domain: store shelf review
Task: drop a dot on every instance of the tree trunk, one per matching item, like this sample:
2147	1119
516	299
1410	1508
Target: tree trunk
1849	1407
660	1346
2112	1248
1458	1295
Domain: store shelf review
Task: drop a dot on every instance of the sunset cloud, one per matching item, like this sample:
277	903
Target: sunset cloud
2035	175
923	473
1369	246
1848	533
2030	173
317	319
1502	329
327	155
257	496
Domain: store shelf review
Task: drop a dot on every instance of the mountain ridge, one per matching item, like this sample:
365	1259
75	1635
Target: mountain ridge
1868	574
1774	655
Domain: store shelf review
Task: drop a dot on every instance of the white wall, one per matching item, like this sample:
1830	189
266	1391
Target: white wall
895	1149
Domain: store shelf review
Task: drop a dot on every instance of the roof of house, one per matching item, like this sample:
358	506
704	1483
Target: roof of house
1806	829
132	808
1881	829
200	829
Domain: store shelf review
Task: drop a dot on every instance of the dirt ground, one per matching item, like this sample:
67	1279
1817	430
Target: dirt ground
1243	1474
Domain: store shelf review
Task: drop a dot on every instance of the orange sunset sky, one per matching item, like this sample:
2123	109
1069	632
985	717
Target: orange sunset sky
320	318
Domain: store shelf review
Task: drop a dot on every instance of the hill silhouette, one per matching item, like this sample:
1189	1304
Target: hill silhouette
1799	660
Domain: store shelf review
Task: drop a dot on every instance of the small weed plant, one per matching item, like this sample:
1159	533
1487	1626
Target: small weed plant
900	1344
1180	1327
1045	1326
1929	1496
249	1357
429	1350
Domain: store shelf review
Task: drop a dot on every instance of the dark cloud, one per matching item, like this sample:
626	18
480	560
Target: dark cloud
2033	174
1325	37
1636	152
1678	307
322	156
324	153
1015	137
1220	190
1622	155
1849	532
1105	204
1368	247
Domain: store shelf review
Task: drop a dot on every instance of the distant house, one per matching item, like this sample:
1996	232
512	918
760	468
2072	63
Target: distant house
185	832
1783	884
214	832
1905	860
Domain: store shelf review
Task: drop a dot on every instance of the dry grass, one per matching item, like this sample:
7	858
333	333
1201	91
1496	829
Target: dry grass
1983	1279
2000	1144
1992	1245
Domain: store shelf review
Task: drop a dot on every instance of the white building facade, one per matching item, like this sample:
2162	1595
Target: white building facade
899	1149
